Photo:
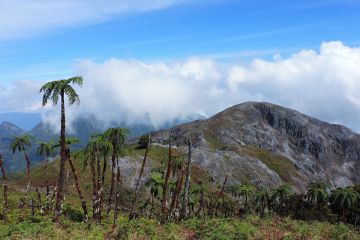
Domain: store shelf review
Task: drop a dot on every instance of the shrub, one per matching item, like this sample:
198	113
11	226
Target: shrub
73	214
143	141
222	229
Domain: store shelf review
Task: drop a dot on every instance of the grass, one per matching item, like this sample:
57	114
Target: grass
226	157
251	227
222	229
159	153
279	164
213	140
156	153
22	226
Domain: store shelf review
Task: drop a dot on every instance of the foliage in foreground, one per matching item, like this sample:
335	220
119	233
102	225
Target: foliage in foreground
251	227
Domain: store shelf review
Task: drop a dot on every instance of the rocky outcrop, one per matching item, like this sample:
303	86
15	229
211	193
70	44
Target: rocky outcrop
268	144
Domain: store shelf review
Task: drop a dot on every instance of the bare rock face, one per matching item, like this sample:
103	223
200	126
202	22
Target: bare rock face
130	168
268	145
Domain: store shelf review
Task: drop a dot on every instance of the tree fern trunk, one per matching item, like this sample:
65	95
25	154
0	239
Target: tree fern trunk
27	174
175	198
103	170
152	205
47	186
41	207
101	203
133	208
164	208
53	197
94	195
117	196
113	166
185	202
77	185
221	194
98	187
59	194
32	205
201	201
5	200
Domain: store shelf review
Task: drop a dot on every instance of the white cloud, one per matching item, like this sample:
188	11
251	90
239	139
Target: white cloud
137	92
324	84
20	96
23	18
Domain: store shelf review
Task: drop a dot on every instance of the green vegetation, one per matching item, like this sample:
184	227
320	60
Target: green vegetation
279	164
213	140
157	153
251	227
240	212
86	200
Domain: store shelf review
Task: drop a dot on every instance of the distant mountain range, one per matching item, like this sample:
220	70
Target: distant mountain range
83	128
25	121
261	143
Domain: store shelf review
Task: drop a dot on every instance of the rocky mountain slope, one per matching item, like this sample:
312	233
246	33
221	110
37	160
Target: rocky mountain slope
268	145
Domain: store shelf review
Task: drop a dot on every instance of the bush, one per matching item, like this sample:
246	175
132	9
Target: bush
341	231
34	219
222	229
25	230
73	214
143	141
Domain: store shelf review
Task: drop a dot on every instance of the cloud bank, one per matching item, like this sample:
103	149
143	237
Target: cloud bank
324	84
20	96
25	18
154	93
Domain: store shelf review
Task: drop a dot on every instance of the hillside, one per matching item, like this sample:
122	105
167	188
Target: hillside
257	143
268	145
7	129
248	226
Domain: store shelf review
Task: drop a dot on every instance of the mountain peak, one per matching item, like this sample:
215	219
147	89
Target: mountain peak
275	114
8	129
268	144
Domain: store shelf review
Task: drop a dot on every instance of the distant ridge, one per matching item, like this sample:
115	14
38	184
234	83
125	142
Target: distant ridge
8	129
83	128
25	121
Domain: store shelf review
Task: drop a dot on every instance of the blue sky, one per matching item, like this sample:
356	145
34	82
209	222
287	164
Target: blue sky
220	29
157	61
